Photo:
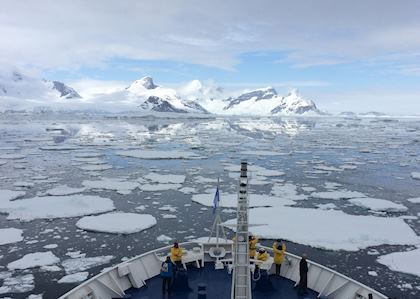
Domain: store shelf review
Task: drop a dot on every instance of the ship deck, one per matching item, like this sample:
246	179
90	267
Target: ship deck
218	286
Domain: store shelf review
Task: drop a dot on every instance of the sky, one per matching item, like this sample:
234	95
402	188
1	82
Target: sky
357	55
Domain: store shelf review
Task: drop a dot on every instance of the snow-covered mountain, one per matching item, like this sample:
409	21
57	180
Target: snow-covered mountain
264	101
18	85
144	95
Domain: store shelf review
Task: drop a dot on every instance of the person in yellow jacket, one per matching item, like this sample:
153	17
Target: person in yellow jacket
262	255
279	250
252	241
176	254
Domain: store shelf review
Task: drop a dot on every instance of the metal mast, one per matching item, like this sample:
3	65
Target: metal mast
241	279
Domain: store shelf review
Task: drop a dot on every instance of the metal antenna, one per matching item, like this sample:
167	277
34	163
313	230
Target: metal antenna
241	278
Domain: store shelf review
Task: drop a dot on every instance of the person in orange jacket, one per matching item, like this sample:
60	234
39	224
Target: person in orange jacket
252	241
176	254
279	250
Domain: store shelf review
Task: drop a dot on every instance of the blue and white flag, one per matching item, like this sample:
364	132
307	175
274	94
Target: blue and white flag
216	198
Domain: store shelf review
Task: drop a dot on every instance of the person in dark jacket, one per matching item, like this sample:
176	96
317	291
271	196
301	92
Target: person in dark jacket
303	272
167	272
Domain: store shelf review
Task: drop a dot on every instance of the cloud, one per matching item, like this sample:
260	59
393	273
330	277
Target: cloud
52	34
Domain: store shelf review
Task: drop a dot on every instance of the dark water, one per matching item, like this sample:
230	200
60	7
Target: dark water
385	152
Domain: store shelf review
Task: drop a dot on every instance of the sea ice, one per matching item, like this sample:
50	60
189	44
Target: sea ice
75	265
8	195
94	167
414	175
12	156
49	207
32	260
50	246
376	204
18	284
156	154
287	191
64	190
404	261
339	194
326	206
117	223
75	277
231	200
330	229
163	238
414	200
159	187
117	184
10	235
165	178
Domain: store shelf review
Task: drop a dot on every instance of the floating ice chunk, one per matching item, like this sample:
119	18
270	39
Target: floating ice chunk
414	175
3	162
64	190
168	208
335	230
331	185
12	157
50	246
372	273
402	261
94	167
168	216
141	208
53	268
159	187
414	200
287	191
202	180
119	185
7	195
308	189
34	296
231	200
327	168
23	184
10	235
376	204
75	277
187	190
327	206
117	223
32	260
211	240
165	178
84	263
18	284
339	194
163	238
156	154
49	207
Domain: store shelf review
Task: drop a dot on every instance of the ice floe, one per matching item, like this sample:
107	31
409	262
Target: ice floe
338	194
163	238
330	229
49	207
32	260
10	235
50	246
95	167
7	195
414	200
159	187
117	184
12	157
231	200
405	261
165	178
117	223
75	277
376	204
287	191
414	175
18	284
75	265
64	190
156	154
